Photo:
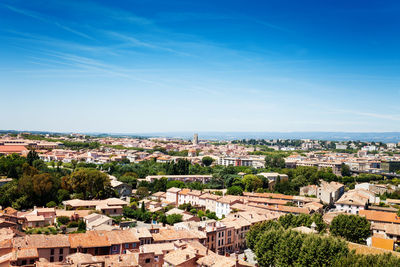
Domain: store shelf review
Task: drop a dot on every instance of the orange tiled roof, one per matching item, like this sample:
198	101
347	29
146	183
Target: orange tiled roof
12	148
184	191
380	216
89	239
121	237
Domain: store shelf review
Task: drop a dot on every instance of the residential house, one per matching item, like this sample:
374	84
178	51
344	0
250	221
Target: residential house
186	216
209	201
143	234
354	201
94	220
172	195
165	235
223	205
53	248
123	189
110	206
159	250
380	216
327	192
273	178
388	230
122	241
34	221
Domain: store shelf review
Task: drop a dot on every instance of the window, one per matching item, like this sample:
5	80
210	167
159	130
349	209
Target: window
31	261
115	248
52	259
60	258
52	251
134	245
147	260
61	251
23	262
126	245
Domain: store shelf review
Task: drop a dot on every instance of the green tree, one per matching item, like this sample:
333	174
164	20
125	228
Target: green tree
63	220
175	183
235	190
142	192
252	182
81	226
174	218
91	183
62	195
31	157
59	164
130	180
345	169
354	228
160	185
274	161
207	161
51	204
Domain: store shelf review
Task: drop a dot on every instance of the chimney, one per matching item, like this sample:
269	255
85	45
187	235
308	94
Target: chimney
187	256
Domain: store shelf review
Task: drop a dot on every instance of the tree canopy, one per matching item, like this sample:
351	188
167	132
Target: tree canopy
91	183
207	161
354	228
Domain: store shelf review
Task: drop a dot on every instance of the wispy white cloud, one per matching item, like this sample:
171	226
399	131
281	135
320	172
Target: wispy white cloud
392	117
42	18
94	65
202	16
133	41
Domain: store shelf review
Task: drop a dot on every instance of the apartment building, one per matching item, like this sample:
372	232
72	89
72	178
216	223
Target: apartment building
241	161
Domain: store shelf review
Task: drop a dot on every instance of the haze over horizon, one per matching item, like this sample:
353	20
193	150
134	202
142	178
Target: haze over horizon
226	66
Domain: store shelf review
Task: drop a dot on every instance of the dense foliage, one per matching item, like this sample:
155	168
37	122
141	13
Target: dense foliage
35	184
40	184
275	244
354	228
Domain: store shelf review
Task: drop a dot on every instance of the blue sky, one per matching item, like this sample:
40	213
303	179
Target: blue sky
144	66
